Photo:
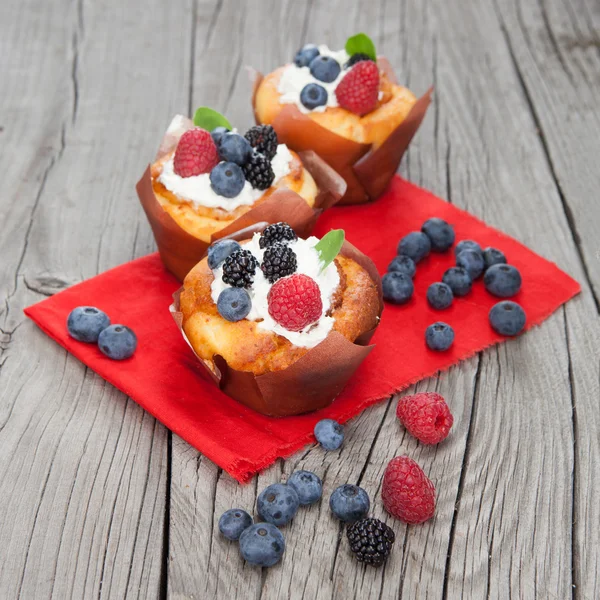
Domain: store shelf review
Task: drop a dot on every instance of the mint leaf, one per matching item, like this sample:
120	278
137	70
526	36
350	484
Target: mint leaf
361	43
208	119
329	247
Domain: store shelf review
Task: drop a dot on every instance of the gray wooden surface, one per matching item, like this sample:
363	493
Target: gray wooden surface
98	500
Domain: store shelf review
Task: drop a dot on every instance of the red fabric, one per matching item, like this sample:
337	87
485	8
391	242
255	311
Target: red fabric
165	378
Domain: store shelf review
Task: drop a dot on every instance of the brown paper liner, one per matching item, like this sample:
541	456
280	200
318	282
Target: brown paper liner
310	383
180	251
366	170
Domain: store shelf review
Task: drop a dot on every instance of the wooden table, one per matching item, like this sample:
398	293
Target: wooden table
98	500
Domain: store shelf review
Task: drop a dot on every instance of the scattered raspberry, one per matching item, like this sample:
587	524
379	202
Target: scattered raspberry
358	91
295	302
407	493
426	416
196	153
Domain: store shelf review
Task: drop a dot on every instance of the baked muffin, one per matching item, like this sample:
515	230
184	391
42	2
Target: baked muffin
263	305
343	105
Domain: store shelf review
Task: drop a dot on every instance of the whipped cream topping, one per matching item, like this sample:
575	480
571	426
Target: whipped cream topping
197	190
293	79
309	264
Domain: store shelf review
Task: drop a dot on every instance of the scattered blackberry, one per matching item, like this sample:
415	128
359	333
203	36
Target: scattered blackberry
356	58
370	541
239	269
263	139
277	232
258	171
279	261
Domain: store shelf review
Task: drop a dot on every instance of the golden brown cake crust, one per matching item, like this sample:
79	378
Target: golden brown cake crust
245	347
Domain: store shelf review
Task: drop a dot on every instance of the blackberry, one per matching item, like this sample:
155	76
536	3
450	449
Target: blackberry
263	139
239	269
258	171
356	58
277	232
279	261
371	541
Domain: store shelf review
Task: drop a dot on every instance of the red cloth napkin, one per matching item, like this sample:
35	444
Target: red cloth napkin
165	378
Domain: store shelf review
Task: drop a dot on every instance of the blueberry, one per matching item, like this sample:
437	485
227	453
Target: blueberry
403	264
439	295
85	323
227	179
329	433
234	147
472	261
313	95
502	280
440	233
416	245
278	504
262	544
349	503
467	245
117	342
219	251
305	55
217	134
307	485
493	256
234	522
234	304
397	287
325	68
459	280
439	336
507	318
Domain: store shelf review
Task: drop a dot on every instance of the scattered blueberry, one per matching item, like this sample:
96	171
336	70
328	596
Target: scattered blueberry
117	342
227	179
325	68
234	304
278	504
397	287
219	251
439	336
234	147
403	264
262	544
472	261
502	280
217	134
415	244
507	318
439	295
349	503
440	233
313	95
329	433
459	280
307	485
234	522
493	256
305	55
467	245
85	323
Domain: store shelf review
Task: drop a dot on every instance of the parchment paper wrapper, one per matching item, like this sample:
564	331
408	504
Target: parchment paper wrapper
367	170
181	251
312	382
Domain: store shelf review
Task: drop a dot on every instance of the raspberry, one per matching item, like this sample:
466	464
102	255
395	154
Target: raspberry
295	302
426	416
358	91
278	261
263	139
406	492
277	232
258	171
196	153
239	269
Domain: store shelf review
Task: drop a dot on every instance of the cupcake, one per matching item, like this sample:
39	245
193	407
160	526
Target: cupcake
281	322
348	107
210	181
